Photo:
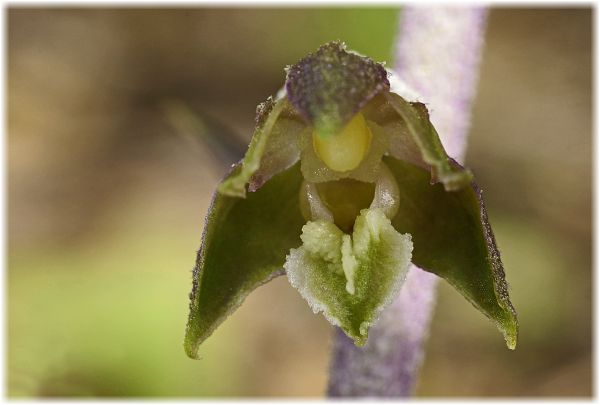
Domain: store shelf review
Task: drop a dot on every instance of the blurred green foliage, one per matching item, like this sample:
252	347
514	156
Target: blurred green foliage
106	202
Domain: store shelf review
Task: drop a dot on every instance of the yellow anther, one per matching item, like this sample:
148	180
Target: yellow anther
345	150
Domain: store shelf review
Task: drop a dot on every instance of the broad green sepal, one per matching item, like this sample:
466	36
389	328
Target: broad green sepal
453	239
416	117
350	279
244	245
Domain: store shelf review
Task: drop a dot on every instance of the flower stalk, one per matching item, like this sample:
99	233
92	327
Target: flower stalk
438	51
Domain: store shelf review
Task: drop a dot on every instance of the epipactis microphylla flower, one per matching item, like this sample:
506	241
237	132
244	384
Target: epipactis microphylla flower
344	184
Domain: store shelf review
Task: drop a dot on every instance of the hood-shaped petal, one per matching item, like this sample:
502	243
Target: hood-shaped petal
416	118
328	87
275	146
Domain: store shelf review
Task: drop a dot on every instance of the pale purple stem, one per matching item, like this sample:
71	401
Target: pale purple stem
437	53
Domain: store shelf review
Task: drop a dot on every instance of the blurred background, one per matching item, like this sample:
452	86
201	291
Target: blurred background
121	123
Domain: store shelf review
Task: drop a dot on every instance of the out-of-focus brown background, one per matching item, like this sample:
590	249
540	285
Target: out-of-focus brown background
122	121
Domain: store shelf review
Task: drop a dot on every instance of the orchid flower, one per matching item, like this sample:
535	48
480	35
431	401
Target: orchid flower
344	184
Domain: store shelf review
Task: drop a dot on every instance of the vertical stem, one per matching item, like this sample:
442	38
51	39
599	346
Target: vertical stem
437	54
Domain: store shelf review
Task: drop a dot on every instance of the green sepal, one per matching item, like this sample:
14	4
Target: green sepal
350	279
453	239
244	245
416	117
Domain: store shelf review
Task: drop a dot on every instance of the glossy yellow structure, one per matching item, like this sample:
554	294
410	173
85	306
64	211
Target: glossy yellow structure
345	150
